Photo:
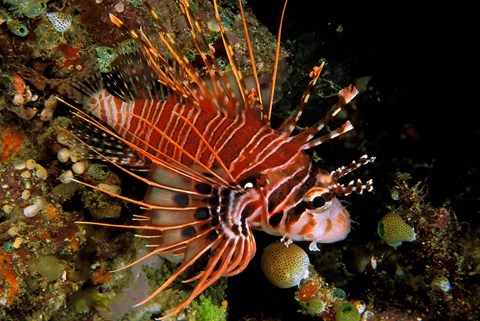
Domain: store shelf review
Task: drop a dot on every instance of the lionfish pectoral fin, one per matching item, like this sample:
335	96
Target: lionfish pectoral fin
313	246
197	246
218	263
196	222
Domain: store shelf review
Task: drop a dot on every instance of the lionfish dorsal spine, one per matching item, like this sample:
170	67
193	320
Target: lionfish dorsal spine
344	97
216	97
289	124
276	64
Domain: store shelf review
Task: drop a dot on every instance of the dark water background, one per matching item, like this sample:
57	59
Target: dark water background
420	118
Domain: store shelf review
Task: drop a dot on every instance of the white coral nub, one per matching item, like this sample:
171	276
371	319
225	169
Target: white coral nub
60	21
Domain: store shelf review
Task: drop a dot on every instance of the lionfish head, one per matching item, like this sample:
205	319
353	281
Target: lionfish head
317	215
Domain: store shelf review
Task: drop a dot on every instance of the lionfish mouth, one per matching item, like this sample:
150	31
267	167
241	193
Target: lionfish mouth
217	169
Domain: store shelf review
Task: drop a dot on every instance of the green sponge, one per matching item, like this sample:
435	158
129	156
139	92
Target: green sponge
347	312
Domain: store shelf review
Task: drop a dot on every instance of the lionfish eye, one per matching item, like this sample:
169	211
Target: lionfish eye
318	197
318	201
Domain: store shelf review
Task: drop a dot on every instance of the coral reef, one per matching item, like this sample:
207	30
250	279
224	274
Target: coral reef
52	268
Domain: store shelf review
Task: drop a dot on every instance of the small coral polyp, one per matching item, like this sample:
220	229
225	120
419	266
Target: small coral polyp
23	183
347	312
441	283
105	56
99	172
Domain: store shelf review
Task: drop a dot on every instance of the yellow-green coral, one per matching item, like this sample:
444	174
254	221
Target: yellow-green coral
127	46
284	266
99	172
203	309
105	56
49	267
393	230
441	282
314	306
18	28
347	312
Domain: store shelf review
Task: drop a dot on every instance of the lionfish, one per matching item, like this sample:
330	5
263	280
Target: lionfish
217	169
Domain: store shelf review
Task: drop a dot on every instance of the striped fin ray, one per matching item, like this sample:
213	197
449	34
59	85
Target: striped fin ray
236	71
289	124
225	258
167	73
218	91
344	97
276	64
105	144
132	78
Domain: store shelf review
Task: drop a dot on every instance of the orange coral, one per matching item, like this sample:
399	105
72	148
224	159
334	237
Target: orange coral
306	292
9	287
51	211
101	276
75	244
72	55
10	143
19	84
45	235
